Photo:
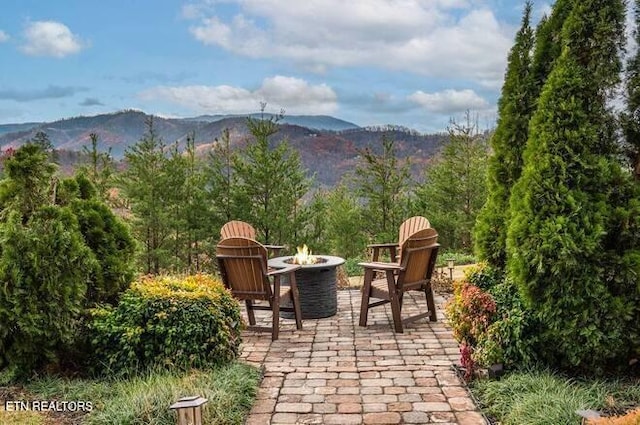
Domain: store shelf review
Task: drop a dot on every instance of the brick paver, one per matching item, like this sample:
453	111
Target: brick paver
335	372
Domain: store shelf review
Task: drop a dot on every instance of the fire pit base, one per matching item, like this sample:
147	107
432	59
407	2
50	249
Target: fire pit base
317	287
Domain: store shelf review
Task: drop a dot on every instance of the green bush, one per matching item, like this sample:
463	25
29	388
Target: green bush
484	276
169	322
110	240
511	337
105	234
44	270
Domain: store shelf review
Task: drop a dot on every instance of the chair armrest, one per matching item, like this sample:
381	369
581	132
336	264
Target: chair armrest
383	245
284	270
274	246
378	265
377	247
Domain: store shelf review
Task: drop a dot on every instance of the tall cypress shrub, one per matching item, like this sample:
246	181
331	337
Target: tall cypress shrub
548	42
631	119
514	108
560	241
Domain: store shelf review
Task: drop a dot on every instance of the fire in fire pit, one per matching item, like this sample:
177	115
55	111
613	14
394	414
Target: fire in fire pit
304	256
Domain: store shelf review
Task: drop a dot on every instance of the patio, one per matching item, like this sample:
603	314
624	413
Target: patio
335	372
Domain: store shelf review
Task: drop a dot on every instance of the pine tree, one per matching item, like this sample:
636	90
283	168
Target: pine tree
514	108
454	188
382	181
222	189
559	241
100	167
145	185
272	181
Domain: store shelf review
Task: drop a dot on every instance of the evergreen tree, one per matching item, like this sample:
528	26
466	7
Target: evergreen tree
382	181
508	141
145	185
222	188
199	228
548	43
631	120
28	181
272	181
344	223
454	188
561	243
100	167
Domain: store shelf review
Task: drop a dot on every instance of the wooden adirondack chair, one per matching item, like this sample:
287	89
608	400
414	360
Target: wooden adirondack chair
237	228
243	266
407	228
413	273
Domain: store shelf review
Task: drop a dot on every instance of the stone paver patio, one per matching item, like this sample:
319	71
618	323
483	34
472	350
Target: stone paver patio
336	372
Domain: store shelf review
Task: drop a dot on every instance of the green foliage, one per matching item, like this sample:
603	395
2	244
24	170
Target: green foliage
344	231
512	336
548	42
631	119
561	241
485	276
222	182
541	397
100	167
515	107
27	181
44	267
382	180
113	246
454	188
145	184
271	183
145	398
167	322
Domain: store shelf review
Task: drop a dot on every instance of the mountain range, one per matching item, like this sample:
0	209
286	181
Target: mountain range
328	146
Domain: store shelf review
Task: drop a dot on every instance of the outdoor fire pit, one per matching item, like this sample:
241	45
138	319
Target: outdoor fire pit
317	283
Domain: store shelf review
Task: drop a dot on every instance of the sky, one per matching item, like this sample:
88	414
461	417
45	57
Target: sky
414	63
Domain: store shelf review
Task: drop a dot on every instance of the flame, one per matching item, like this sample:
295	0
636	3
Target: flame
304	256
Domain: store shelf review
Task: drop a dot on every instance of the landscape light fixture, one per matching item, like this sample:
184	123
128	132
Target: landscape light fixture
450	265
189	410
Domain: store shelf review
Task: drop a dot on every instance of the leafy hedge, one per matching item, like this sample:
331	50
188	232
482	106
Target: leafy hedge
167	321
491	321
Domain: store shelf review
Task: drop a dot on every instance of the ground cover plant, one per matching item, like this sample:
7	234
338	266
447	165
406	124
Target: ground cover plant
542	397
143	399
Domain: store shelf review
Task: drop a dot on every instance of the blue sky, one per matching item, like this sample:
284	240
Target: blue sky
416	63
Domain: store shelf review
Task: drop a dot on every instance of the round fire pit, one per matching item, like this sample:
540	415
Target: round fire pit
317	285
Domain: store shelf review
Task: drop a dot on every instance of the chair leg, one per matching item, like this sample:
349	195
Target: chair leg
366	292
395	302
431	305
250	313
275	325
295	301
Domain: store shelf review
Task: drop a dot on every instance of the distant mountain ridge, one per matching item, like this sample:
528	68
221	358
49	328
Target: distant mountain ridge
316	122
326	152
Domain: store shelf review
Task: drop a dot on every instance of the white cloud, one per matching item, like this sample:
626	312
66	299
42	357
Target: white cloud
50	38
294	95
3	36
441	38
450	101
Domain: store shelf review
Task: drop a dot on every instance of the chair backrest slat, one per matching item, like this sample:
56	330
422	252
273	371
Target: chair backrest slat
411	226
243	263
237	228
419	253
